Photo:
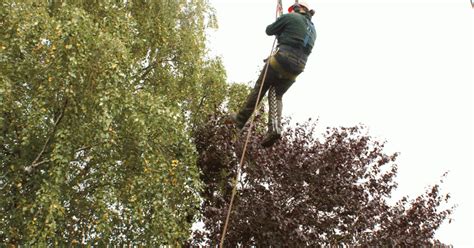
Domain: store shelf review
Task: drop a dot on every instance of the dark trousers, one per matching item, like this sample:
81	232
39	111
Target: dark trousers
278	85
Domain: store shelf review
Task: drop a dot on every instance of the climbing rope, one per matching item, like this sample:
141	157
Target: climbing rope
279	11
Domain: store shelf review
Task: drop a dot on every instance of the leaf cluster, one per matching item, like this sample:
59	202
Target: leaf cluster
306	191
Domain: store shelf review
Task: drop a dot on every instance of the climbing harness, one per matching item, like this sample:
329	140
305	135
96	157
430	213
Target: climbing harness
279	11
281	71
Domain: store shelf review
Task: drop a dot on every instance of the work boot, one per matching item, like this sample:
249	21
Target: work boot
271	138
233	120
273	134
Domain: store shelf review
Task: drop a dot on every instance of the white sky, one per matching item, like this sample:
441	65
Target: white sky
403	68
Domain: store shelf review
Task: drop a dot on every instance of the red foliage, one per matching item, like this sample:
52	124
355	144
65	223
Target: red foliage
305	191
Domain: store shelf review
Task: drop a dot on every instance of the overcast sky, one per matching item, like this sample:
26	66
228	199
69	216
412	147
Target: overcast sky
403	68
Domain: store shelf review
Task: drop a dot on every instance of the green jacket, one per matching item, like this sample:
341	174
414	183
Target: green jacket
295	30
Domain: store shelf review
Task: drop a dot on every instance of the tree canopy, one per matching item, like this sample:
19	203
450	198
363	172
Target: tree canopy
306	192
98	100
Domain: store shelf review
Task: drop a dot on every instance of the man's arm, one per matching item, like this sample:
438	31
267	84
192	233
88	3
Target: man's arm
277	27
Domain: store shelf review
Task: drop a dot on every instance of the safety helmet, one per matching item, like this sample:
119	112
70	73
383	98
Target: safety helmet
299	3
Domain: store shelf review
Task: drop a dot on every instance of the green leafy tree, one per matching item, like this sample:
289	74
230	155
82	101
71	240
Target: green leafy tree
309	192
98	102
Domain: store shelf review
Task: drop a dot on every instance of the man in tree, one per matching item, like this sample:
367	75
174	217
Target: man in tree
296	35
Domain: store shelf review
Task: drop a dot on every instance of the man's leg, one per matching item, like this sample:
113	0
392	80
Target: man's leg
274	118
274	111
247	110
275	104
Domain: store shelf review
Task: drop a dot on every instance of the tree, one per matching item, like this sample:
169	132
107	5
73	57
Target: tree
98	102
305	191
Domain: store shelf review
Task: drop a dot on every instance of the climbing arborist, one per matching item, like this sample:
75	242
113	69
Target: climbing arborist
296	35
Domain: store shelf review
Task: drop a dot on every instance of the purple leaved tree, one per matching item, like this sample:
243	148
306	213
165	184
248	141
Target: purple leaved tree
308	191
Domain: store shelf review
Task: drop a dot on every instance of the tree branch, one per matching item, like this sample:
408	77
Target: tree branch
148	69
35	162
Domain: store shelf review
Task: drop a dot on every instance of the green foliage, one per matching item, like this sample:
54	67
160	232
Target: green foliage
98	100
238	93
